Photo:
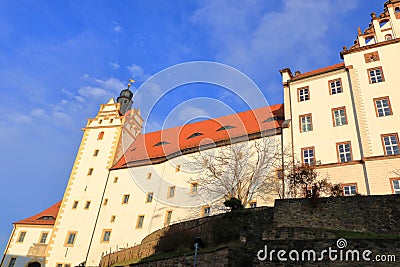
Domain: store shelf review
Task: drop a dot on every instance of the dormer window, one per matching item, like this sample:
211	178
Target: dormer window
388	37
47	218
194	135
274	118
161	143
226	127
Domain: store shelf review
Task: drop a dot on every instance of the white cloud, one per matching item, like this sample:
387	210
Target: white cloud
89	91
117	29
250	36
190	113
114	65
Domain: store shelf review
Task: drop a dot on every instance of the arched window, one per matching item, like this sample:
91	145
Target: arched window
388	37
101	135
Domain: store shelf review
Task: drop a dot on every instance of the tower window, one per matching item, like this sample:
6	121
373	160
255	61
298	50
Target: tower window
100	121
100	136
206	211
149	197
75	205
95	153
70	240
177	168
21	237
87	205
106	236
112	219
194	188
168	217
43	237
125	199
140	220
171	192
90	171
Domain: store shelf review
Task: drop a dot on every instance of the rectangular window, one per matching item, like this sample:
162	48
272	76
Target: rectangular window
70	240
106	235
382	106
303	94
171	191
140	220
305	123
149	175
67	265
75	205
105	202
125	199
12	262
43	237
344	151
21	237
395	183
87	205
90	171
112	219
253	204
349	189
335	87
149	197
59	265
168	217
308	156
95	153
115	180
194	188
206	211
177	168
339	116
390	144
376	75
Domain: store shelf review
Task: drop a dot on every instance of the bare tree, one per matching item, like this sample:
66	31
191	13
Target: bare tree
303	181
244	171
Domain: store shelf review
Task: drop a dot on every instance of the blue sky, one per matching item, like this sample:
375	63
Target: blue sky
59	60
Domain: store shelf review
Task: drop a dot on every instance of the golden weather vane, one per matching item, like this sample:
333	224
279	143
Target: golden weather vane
130	81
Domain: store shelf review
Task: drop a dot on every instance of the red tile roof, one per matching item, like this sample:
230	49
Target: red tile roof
46	217
319	71
158	146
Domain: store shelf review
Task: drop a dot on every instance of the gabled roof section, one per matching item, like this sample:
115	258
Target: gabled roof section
249	123
318	71
46	217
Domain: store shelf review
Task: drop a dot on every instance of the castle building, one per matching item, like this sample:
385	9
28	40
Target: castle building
344	119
